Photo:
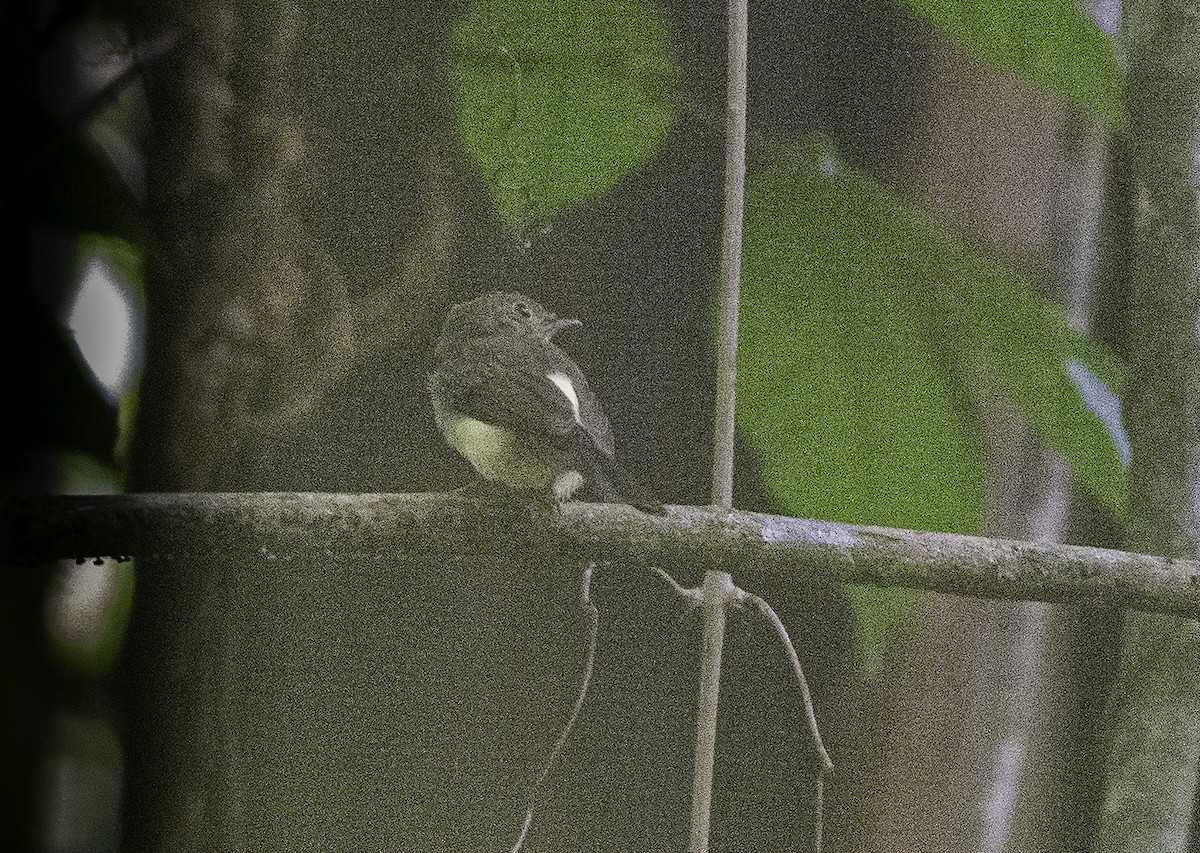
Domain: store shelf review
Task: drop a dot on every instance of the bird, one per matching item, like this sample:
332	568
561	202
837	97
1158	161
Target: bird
519	409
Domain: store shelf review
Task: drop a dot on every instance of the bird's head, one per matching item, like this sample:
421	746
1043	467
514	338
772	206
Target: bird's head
502	312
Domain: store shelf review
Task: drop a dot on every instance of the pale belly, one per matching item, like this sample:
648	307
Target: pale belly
497	454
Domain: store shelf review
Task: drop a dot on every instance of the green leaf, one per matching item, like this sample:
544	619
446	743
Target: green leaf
840	384
557	102
1053	43
840	388
862	327
1021	346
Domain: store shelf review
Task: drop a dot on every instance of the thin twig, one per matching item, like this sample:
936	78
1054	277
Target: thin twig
718	585
782	632
688	594
826	767
726	591
731	254
593	617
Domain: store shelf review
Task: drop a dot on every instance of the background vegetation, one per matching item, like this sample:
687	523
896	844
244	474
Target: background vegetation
280	200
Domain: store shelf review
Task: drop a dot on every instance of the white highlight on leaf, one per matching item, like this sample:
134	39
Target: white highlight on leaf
103	322
80	597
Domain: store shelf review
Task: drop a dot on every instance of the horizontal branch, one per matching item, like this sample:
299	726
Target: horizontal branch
763	551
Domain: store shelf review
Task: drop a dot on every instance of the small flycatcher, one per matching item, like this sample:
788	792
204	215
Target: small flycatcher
519	409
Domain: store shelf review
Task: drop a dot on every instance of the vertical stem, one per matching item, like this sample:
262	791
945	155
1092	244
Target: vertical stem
1153	767
718	586
715	593
731	253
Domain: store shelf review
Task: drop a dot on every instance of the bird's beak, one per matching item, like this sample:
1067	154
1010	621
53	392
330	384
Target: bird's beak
562	324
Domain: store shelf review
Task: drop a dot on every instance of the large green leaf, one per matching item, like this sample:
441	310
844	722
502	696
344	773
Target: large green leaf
839	387
1054	43
863	325
840	384
557	102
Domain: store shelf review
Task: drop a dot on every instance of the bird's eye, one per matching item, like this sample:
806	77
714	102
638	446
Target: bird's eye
523	310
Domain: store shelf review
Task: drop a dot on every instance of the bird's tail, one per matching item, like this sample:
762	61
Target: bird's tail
614	484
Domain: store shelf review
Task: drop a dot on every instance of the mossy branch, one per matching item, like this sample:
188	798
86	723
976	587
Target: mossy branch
766	552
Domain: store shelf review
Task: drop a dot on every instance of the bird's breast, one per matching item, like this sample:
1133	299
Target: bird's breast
497	453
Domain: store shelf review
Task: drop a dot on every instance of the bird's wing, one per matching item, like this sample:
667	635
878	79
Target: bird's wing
539	392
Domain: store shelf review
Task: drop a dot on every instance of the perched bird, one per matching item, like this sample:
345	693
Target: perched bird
519	409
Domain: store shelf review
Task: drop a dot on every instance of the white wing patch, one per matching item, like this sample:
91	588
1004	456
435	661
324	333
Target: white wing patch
564	384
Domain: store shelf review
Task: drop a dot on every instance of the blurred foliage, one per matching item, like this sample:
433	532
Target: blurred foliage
86	192
556	103
866	332
840	385
90	605
841	388
127	261
1053	43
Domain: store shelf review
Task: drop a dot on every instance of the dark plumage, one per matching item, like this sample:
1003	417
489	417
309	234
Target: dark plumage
516	406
